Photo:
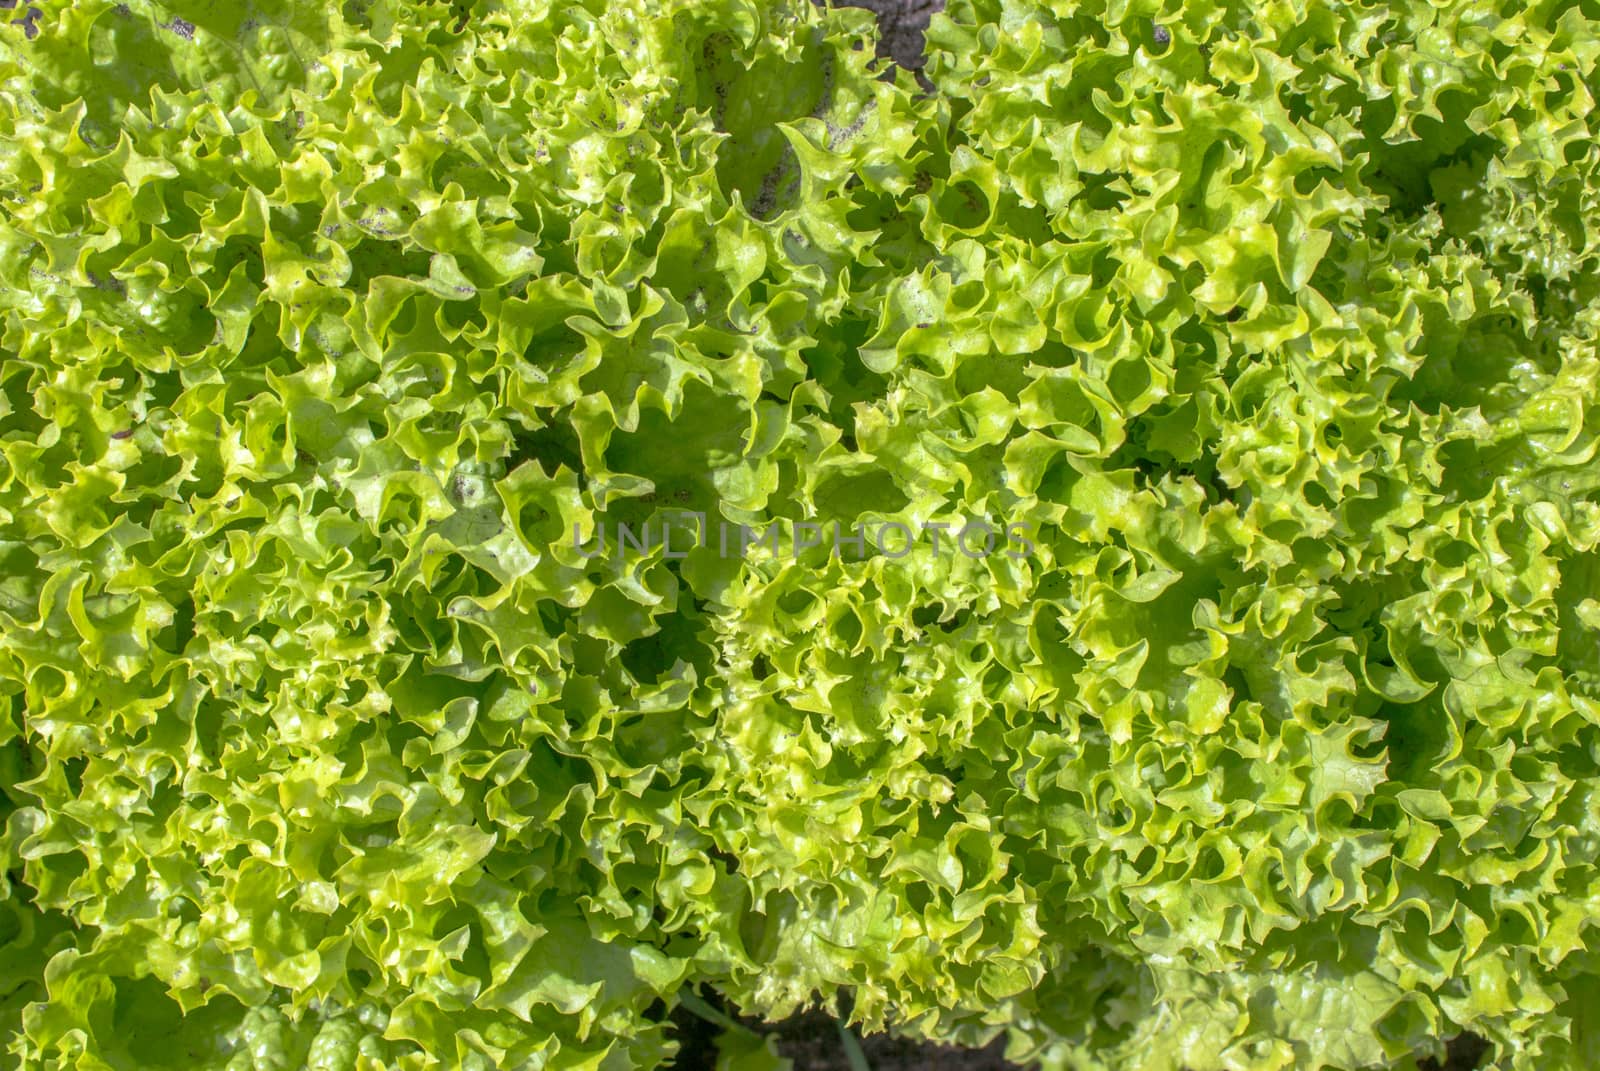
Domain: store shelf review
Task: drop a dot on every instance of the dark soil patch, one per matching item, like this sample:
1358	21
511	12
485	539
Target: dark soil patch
811	1040
901	24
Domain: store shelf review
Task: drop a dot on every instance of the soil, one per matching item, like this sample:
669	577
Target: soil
901	24
811	1042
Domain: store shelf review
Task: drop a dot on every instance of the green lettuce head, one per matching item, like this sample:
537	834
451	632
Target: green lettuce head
340	731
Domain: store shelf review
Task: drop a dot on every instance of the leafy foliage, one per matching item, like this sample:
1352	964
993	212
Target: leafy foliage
323	327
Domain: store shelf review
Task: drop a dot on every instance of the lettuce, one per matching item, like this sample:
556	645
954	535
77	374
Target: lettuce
334	339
